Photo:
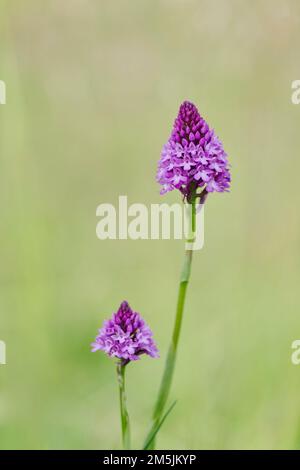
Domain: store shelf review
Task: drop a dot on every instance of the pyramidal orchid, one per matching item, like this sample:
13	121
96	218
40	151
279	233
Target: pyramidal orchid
193	156
194	162
126	337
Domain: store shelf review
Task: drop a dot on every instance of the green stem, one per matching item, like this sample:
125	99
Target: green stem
123	407
171	357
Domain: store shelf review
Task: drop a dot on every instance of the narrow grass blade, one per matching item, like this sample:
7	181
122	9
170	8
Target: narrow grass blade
157	428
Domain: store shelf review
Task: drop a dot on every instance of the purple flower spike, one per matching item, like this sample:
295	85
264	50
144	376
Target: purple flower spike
125	336
193	156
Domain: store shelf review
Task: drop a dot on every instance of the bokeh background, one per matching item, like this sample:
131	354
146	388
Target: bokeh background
93	87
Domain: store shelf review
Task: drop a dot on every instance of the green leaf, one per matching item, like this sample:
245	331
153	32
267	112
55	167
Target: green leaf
157	428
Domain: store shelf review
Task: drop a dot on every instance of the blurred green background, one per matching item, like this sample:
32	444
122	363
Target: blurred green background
93	87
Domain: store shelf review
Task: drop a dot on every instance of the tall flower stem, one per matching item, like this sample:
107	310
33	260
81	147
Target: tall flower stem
171	357
123	407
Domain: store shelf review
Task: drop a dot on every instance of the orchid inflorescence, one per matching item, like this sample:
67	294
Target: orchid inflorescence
194	162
